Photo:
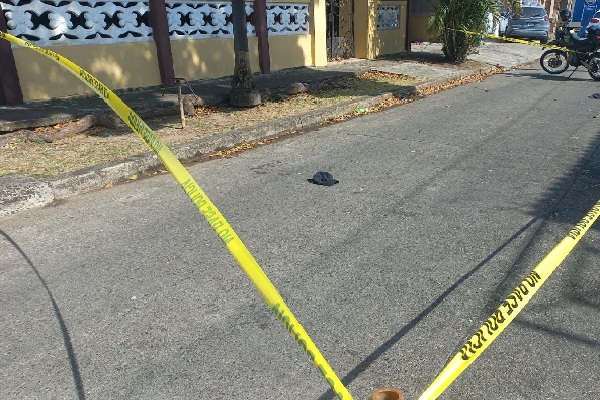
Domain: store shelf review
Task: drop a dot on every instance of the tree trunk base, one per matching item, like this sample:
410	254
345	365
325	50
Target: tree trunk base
244	97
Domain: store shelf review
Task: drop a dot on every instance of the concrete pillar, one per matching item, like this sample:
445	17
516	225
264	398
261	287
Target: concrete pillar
10	87
364	14
370	42
260	25
160	32
318	32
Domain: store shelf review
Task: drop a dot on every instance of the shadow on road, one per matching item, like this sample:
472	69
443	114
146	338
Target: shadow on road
61	322
558	333
566	201
360	368
566	76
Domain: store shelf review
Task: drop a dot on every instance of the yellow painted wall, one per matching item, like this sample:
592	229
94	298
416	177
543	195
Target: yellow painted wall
418	29
317	20
371	43
293	51
364	14
213	58
391	41
132	65
125	65
206	58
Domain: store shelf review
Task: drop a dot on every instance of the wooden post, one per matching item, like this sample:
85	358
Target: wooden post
160	32
260	25
10	87
408	20
180	102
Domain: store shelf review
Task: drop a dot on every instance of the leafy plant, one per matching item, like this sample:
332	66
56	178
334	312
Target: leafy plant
457	22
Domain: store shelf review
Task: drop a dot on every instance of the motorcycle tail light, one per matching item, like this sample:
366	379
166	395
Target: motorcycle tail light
594	20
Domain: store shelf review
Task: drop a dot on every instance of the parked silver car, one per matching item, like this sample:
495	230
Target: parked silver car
531	23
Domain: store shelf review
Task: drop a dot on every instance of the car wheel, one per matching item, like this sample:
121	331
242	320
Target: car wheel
544	40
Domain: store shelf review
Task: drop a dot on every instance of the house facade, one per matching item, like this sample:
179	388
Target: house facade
132	44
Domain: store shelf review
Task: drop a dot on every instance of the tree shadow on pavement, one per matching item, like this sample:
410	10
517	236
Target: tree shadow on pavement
566	201
61	322
387	345
550	330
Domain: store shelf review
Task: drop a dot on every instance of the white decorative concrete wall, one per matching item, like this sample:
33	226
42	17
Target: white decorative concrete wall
107	22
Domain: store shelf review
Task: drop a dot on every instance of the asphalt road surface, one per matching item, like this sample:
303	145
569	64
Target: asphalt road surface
443	206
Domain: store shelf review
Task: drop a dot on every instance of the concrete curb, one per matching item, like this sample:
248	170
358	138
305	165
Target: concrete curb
20	193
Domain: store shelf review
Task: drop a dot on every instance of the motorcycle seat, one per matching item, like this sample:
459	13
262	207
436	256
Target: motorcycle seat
577	39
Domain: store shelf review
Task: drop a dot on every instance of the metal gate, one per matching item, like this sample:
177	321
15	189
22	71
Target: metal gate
340	29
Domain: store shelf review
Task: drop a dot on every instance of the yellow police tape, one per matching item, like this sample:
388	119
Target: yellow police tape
507	39
206	208
518	298
510	308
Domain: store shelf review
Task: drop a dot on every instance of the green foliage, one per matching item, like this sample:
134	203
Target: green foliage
453	17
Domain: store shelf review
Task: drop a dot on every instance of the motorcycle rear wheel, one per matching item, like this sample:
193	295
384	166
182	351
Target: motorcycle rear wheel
554	61
594	69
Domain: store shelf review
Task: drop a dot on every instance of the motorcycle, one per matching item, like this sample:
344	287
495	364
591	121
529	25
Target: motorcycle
574	51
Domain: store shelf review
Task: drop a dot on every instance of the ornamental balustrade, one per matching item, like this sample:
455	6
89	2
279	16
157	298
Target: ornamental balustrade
50	22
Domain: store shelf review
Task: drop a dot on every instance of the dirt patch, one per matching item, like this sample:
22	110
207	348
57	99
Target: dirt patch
50	151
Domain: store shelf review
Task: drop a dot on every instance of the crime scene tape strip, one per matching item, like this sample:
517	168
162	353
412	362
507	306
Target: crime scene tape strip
507	39
210	212
510	308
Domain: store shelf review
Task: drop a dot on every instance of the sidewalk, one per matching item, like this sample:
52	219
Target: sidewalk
19	193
